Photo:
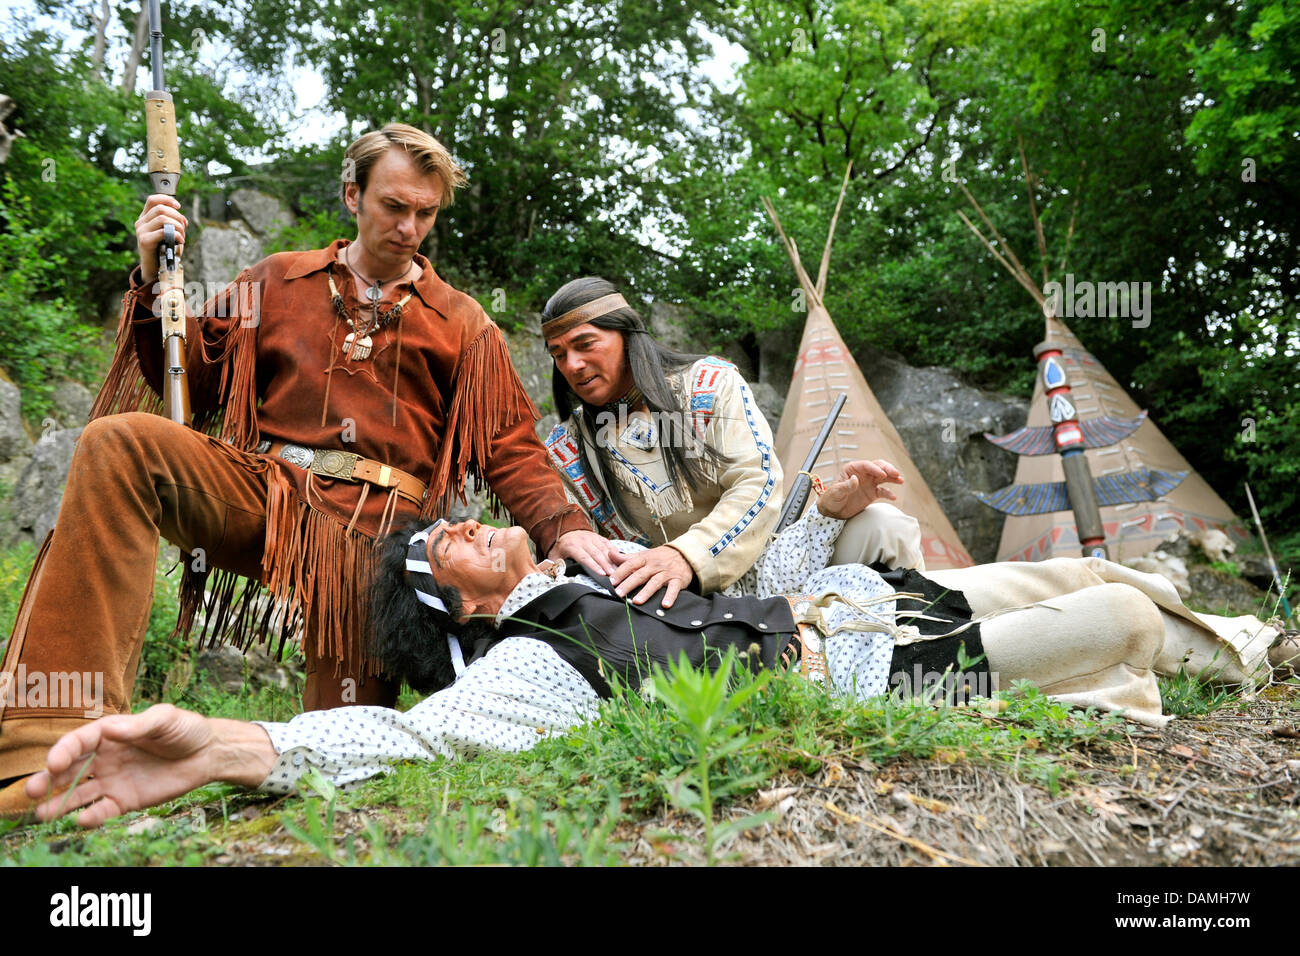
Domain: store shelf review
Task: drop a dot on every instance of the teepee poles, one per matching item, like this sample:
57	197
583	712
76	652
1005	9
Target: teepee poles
824	369
1067	436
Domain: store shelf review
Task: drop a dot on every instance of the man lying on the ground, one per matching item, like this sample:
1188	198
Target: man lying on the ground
558	634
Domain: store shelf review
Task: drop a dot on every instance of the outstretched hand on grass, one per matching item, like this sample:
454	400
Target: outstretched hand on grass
128	762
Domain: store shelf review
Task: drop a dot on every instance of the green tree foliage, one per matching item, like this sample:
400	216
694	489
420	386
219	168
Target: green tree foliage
1137	120
595	144
63	211
825	85
72	186
42	341
1161	109
64	166
559	112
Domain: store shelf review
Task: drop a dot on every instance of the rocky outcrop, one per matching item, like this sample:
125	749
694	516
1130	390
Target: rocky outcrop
264	214
533	363
1217	591
219	252
7	136
39	489
72	402
232	669
1204	581
15	445
942	421
13	436
1169	566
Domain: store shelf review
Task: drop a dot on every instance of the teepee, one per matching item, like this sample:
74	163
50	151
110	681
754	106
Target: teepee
823	370
1146	489
1132	528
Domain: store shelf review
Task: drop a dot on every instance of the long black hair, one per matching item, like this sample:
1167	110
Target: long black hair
686	455
407	638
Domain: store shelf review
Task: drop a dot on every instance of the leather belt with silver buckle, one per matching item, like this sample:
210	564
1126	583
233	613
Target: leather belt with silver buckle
348	466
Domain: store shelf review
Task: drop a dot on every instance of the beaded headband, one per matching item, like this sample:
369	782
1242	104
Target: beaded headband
583	314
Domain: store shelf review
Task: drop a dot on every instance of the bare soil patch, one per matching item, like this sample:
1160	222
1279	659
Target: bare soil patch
1218	790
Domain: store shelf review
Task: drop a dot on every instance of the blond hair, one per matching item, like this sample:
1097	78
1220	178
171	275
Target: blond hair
429	154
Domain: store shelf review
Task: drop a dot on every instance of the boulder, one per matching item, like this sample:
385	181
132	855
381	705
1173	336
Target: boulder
533	363
668	323
770	402
1218	592
1197	565
776	357
218	254
672	325
264	214
1256	569
942	421
7	136
10	471
231	669
72	402
1169	566
13	436
1216	545
39	490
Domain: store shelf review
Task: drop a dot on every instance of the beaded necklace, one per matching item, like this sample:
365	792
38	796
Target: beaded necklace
358	344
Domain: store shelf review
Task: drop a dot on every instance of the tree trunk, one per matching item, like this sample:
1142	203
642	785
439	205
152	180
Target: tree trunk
137	51
101	41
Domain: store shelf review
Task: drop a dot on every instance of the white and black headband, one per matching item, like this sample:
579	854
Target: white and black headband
420	575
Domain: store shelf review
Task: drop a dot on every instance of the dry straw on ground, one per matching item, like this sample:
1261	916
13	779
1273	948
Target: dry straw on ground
1221	790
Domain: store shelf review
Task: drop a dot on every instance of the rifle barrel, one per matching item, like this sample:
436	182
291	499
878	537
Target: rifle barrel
801	485
155	43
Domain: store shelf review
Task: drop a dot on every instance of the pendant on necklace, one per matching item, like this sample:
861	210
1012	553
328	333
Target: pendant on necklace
374	293
357	349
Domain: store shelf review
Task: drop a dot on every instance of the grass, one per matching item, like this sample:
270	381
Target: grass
1187	695
689	748
694	748
15	564
1227	567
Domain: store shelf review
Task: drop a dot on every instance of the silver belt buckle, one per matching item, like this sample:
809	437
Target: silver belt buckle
297	455
334	464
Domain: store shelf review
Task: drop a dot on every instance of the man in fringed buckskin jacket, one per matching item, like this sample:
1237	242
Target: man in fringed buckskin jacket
335	391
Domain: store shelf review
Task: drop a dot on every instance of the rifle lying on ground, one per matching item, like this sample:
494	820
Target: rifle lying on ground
165	173
802	485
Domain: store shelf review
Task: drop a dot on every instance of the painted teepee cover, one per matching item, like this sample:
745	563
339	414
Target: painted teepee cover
1132	528
824	368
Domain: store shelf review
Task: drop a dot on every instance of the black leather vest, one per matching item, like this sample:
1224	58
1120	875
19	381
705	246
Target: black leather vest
603	634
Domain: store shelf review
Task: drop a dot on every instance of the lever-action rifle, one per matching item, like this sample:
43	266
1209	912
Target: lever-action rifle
165	172
802	484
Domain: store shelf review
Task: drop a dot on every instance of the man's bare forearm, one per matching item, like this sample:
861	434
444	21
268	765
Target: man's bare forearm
241	753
